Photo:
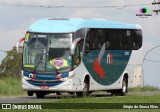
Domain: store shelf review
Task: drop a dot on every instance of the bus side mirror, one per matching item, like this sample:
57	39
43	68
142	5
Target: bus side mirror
74	44
18	45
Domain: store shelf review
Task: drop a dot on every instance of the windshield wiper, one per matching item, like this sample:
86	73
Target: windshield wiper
35	68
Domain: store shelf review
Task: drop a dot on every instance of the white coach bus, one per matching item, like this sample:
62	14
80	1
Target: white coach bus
81	56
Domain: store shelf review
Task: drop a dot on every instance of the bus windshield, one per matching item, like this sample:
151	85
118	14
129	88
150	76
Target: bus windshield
47	52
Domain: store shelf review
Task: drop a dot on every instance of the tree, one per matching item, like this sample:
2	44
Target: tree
11	64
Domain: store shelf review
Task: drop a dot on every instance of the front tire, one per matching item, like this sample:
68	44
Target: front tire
30	93
58	93
85	91
40	94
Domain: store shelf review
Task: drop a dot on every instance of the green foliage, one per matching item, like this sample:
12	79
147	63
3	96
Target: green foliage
144	89
11	64
10	87
113	99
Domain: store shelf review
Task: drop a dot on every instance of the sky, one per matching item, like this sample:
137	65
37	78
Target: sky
15	20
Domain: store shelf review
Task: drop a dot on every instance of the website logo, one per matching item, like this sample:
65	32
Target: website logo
109	59
21	106
144	12
6	106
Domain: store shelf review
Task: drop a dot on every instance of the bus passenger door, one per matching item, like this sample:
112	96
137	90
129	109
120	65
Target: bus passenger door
138	76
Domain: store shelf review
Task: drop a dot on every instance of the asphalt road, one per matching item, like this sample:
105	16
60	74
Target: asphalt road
26	99
48	98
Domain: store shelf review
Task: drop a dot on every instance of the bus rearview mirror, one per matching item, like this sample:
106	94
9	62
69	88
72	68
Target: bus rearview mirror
18	48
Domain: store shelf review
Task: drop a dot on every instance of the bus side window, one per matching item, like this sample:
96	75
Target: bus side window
120	39
129	40
124	40
117	40
107	43
137	40
133	39
88	45
111	39
102	37
90	41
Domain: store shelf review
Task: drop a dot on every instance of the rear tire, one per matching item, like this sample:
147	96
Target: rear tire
113	92
124	89
72	93
40	94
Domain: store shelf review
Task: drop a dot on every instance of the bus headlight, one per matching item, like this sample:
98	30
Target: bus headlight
63	79
70	76
66	78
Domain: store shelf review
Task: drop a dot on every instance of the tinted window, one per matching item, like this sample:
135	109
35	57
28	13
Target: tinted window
114	39
81	33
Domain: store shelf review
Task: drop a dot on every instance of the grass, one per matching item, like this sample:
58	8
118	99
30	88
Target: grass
115	99
144	89
10	87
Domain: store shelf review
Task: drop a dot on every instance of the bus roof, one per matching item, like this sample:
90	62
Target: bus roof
66	25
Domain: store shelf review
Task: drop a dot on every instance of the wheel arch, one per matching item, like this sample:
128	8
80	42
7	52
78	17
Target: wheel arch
126	76
87	78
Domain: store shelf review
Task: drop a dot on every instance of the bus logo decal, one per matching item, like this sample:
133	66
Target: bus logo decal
109	58
96	65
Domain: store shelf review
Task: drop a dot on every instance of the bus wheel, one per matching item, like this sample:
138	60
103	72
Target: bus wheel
72	93
85	91
30	93
58	93
113	92
124	89
40	94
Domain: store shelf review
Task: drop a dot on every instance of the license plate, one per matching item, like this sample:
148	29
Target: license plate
44	87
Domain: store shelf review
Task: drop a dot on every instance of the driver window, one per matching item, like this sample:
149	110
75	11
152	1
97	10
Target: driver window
78	53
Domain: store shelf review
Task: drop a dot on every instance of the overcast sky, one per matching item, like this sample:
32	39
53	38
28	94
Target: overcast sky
15	20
